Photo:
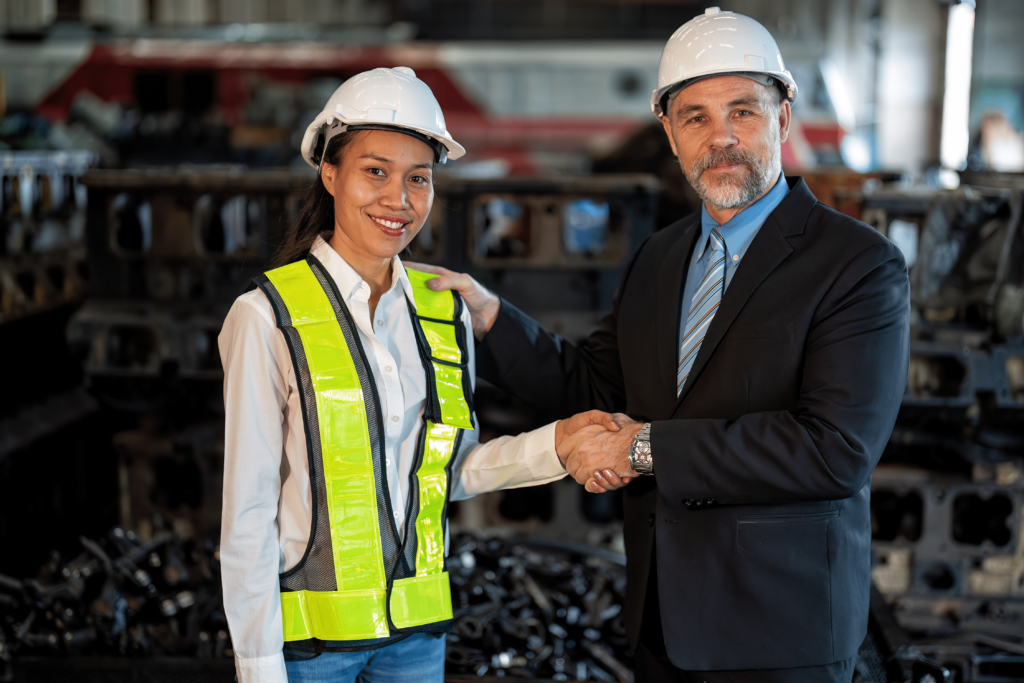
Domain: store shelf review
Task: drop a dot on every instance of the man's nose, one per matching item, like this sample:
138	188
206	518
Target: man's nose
723	135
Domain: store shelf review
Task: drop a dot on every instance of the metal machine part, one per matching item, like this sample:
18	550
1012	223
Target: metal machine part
42	220
948	498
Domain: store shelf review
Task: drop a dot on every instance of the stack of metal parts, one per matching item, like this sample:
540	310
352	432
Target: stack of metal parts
948	497
42	225
522	609
120	597
527	610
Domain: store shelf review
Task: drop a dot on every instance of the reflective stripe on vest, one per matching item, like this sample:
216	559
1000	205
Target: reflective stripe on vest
310	314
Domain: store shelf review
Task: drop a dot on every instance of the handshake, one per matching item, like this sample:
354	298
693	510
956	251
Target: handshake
594	449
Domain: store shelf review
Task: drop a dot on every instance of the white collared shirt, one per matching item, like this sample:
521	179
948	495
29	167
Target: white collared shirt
267	500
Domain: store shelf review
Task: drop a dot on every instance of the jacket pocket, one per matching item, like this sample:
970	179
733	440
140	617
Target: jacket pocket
782	565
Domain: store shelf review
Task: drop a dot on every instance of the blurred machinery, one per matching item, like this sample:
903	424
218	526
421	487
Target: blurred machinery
948	498
170	250
42	224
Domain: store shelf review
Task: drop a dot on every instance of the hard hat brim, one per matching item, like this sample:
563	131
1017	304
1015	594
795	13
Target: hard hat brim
783	76
309	139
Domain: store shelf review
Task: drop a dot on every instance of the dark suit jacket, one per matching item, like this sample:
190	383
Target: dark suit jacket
760	496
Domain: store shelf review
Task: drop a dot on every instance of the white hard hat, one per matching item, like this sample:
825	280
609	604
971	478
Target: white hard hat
382	99
719	43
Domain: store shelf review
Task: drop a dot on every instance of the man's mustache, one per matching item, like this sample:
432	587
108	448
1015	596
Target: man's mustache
722	157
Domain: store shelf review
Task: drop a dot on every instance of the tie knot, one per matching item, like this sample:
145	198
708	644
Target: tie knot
716	241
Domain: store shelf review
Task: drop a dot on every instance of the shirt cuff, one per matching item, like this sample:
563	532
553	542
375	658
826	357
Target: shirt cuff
541	459
268	669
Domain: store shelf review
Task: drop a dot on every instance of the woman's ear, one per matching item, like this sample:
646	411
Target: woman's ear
328	173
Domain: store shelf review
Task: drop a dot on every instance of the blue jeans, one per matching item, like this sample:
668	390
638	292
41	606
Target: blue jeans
417	659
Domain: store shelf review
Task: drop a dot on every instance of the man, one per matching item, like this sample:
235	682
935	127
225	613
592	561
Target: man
762	349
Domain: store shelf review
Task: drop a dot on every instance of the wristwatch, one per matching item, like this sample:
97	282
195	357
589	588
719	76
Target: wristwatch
640	458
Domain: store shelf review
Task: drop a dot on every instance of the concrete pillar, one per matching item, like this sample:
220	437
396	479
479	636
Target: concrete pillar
183	12
910	72
121	13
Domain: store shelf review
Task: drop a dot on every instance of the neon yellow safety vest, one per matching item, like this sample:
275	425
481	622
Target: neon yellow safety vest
358	582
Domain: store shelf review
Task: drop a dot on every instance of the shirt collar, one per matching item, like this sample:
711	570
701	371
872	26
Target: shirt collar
351	285
749	218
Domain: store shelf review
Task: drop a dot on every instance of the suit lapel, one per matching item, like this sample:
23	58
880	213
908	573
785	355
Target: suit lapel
668	306
766	252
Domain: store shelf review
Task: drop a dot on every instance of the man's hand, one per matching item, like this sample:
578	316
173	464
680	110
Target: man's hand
593	449
483	304
568	427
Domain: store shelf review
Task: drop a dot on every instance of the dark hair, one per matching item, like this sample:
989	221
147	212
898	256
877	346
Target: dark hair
316	215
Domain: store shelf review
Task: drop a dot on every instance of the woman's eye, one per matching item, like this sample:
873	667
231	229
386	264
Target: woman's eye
419	179
377	171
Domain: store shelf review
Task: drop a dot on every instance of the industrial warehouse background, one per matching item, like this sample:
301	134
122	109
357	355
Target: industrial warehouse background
150	161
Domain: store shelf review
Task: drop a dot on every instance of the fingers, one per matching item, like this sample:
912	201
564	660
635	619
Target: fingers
610	480
622	419
606	419
603	481
613	480
446	279
573	424
426	268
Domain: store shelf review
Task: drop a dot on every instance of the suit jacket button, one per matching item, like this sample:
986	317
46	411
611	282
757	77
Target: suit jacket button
698	503
687	502
709	501
650	519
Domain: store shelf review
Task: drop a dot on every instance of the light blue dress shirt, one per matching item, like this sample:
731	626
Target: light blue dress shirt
738	233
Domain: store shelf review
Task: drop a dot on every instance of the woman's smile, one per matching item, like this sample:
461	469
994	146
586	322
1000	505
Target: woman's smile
390	225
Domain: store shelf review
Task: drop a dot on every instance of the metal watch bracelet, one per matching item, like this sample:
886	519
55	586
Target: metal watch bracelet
640	458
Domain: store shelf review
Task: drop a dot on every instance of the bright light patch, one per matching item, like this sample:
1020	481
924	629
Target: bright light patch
856	153
956	102
835	84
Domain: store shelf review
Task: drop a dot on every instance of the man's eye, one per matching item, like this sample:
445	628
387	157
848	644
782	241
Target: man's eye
697	119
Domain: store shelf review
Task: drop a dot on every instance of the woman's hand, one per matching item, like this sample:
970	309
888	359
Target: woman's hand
483	304
603	481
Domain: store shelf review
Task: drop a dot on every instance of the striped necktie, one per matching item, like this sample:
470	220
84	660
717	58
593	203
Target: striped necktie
702	308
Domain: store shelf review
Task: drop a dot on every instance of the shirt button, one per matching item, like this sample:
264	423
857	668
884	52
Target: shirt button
735	257
380	323
388	462
394	418
387	368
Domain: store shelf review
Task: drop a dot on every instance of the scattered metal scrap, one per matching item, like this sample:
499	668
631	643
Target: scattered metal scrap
121	596
531	611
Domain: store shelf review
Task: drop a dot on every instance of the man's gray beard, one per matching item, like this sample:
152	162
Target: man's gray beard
729	195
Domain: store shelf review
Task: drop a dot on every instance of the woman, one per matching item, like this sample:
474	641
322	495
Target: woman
349	422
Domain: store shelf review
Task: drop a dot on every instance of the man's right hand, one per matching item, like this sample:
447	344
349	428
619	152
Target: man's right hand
595	421
483	304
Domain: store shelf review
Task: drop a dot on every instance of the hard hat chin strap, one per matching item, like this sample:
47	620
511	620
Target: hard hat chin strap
337	128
